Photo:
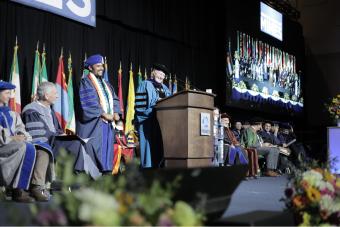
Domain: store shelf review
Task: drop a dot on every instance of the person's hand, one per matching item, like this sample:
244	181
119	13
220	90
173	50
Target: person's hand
107	117
284	145
266	144
232	146
116	116
276	130
19	138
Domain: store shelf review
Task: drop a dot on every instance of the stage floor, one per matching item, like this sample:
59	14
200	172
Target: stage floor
263	193
257	202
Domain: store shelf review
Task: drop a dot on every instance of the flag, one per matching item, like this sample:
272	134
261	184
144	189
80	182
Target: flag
71	121
15	100
130	112
174	87
120	90
106	73
85	71
229	60
61	105
170	84
43	74
116	159
139	76
36	72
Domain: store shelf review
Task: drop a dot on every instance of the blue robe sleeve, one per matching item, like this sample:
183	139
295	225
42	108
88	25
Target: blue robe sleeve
166	90
89	101
146	98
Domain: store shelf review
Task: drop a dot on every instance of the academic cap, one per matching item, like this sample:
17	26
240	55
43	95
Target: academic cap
94	59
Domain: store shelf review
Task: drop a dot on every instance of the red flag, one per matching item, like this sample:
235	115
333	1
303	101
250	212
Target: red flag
15	100
61	105
120	90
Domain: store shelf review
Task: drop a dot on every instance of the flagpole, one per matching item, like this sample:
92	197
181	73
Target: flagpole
145	74
62	52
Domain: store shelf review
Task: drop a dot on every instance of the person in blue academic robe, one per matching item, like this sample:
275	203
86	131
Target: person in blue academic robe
147	95
24	164
42	124
99	109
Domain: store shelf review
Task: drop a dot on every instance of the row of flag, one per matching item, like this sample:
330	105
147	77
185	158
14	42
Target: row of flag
64	106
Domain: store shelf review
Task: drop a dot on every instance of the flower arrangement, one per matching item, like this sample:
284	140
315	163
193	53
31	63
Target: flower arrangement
314	197
265	91
255	88
276	94
286	96
294	98
127	199
333	107
242	85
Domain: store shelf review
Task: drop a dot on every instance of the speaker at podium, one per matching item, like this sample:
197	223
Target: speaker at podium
186	123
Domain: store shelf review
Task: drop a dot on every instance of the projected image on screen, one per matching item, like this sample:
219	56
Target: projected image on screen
261	73
271	21
334	149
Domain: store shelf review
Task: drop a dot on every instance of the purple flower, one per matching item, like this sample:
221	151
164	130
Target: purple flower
51	217
165	220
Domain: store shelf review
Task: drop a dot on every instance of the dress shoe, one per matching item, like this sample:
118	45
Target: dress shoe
39	193
9	192
19	195
271	173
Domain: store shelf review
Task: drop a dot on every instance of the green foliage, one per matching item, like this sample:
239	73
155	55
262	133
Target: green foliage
118	200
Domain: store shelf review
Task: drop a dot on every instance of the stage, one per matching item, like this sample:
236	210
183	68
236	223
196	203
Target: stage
255	202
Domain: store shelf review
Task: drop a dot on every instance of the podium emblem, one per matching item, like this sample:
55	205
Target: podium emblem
205	124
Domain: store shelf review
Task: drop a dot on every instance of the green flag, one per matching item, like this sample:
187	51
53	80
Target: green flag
43	73
85	70
139	76
71	121
36	72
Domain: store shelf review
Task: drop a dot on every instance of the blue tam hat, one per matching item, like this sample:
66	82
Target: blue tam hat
94	59
6	86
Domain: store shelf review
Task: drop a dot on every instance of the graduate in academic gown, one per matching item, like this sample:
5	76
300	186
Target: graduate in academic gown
147	95
23	165
99	108
42	124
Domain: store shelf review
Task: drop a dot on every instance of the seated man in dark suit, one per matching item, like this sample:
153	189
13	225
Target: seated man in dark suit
266	134
269	137
237	130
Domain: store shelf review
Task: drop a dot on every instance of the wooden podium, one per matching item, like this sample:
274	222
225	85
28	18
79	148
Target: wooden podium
186	130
